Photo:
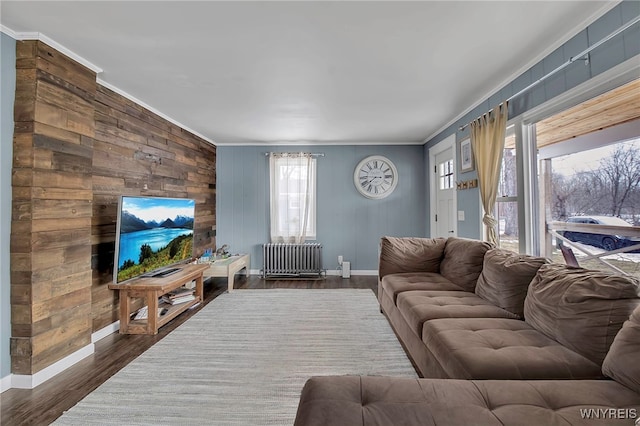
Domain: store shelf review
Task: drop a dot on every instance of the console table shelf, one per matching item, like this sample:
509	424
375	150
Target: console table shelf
151	289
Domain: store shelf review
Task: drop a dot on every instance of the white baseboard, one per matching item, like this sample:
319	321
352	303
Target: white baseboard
368	272
23	381
105	331
332	272
5	383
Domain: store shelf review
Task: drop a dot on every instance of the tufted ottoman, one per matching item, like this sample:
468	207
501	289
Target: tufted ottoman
383	401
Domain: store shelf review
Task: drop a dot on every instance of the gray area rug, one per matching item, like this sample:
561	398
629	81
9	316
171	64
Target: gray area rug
243	359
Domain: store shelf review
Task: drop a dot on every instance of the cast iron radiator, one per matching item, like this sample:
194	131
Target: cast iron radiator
291	260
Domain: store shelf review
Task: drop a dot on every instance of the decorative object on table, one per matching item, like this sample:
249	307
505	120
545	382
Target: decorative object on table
375	177
222	252
466	156
206	256
179	295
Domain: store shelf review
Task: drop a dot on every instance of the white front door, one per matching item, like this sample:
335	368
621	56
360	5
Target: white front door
445	184
442	189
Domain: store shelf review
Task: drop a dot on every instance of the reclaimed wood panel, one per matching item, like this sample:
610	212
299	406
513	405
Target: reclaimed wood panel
57	134
58	96
136	152
78	147
63	340
51	306
60	271
67	71
52	172
43	225
24	104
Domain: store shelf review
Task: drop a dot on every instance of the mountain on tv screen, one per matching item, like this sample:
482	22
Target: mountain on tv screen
152	234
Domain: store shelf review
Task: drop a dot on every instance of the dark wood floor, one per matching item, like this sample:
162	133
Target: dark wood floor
47	402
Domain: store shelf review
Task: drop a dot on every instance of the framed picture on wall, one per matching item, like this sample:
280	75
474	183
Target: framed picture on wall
466	156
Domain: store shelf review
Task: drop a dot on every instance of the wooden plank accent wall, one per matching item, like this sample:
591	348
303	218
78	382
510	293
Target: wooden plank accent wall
136	152
52	207
78	146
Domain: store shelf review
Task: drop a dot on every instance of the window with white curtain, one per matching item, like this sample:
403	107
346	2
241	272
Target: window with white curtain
292	197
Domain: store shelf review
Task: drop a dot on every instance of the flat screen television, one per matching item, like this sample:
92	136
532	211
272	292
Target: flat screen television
153	235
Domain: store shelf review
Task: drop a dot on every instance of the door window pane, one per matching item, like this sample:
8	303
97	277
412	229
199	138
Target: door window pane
445	174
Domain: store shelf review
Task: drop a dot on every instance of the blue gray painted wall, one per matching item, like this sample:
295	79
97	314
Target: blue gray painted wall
617	50
7	88
348	224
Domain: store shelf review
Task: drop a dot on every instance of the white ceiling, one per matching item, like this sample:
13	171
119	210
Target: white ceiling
307	72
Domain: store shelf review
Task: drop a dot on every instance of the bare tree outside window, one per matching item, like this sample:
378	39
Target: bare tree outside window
600	186
506	208
603	182
508	188
619	178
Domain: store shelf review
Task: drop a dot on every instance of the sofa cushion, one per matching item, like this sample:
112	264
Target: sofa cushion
505	278
355	400
417	307
383	401
397	283
410	254
580	308
462	261
495	348
622	363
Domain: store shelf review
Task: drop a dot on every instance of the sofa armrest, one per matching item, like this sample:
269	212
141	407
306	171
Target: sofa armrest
410	254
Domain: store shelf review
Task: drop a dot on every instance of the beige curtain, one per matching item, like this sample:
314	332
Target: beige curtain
487	141
292	179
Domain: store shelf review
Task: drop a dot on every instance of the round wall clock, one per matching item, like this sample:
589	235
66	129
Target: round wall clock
375	177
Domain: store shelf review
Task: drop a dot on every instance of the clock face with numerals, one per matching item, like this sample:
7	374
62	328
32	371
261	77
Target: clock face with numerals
375	177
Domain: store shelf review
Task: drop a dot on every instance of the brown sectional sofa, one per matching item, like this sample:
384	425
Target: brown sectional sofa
520	341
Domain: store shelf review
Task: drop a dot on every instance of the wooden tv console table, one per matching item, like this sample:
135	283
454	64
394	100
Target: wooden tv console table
151	289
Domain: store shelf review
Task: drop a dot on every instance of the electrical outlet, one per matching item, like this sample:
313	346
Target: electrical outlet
340	260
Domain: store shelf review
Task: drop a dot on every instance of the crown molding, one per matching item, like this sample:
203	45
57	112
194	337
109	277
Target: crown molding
153	110
30	35
571	33
321	143
8	31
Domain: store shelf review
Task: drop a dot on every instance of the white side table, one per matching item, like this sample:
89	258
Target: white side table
228	268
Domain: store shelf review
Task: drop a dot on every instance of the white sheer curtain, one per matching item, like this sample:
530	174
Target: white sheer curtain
487	141
292	196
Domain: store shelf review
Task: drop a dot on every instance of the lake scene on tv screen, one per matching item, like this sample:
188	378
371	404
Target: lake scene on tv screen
154	232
